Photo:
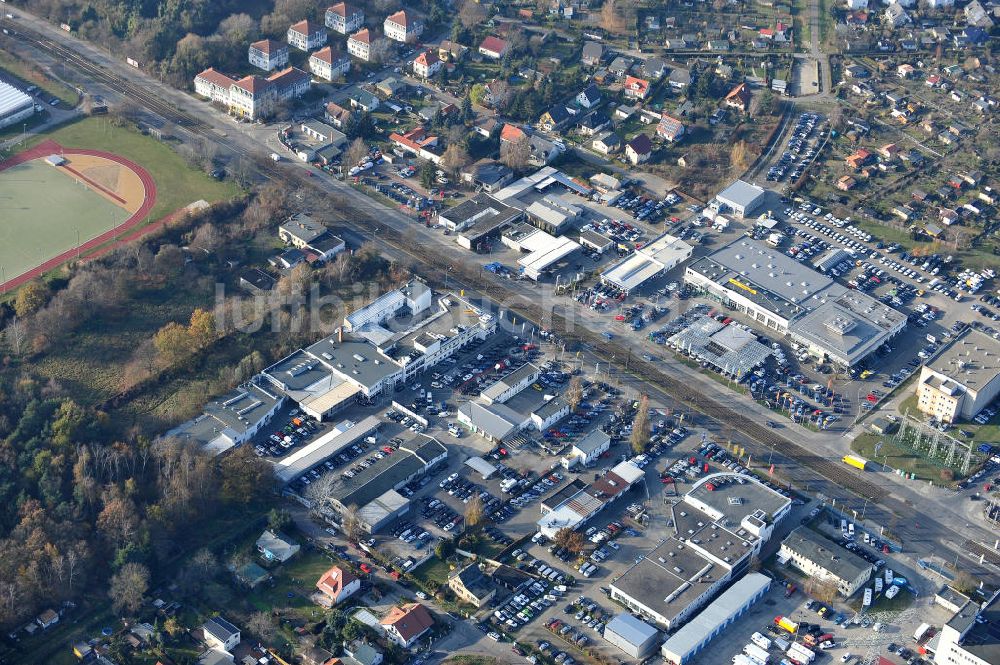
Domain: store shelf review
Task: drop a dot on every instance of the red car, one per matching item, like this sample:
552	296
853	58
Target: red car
365	568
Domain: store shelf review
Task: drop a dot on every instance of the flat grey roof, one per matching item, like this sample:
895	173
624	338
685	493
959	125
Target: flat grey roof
669	578
717	614
741	193
634	631
972	359
563	494
849	323
298	371
324	447
593	440
840	561
751	495
359	360
482	210
509	380
385	474
983	638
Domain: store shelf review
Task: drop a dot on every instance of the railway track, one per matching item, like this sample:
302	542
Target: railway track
978	550
725	416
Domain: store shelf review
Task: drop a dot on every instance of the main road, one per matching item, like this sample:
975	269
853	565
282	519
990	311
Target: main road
919	517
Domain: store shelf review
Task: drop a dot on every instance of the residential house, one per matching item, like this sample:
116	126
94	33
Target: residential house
543	151
213	84
361	653
512	134
624	111
905	71
890	151
362	99
720	45
337	115
554	118
338	584
344	18
403	26
256	280
251	575
471	586
450	51
360	45
306	35
739	98
252	97
390	86
405	624
493	48
654	68
47	619
635	88
620	66
679	78
594	123
487	175
287	259
670	128
289	83
976	14
276	546
485	126
268	54
846	183
861	157
856	72
427	64
315	655
418	142
327	65
607	143
895	16
639	149
592	54
589	97
220	634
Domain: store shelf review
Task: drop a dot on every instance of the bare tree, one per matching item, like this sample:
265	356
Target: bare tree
640	426
262	626
454	159
515	154
574	392
355	152
378	50
617	17
350	524
474	512
128	587
471	15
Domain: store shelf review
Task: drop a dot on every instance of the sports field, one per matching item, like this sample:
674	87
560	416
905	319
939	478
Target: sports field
43	212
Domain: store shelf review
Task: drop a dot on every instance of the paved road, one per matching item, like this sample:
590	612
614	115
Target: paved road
243	139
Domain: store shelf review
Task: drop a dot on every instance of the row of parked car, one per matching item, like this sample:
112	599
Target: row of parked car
524	606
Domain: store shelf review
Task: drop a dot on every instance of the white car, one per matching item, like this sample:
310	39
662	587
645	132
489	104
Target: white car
846	657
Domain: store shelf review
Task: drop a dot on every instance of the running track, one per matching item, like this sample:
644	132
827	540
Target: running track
49	147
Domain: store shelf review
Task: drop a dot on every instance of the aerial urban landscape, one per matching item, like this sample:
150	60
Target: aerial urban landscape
475	332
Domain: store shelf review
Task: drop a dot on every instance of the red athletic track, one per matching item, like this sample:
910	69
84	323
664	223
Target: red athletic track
46	148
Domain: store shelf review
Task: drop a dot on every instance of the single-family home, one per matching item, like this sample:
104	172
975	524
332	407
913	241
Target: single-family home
739	98
635	88
679	78
255	280
344	18
859	158
594	123
654	68
639	149
607	143
360	44
427	64
336	115
48	618
670	128
268	54
543	151
306	35
328	65
620	66
403	26
846	183
471	586
363	100
277	546
895	16
976	14
338	584
493	47
890	151
589	97
905	70
451	51
220	634
405	624
554	118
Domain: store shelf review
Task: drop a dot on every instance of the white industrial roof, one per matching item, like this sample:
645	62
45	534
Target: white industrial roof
635	631
714	616
12	99
545	250
345	434
741	194
662	253
481	466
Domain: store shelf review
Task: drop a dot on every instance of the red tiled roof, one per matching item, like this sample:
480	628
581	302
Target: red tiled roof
362	36
409	620
638	85
325	54
216	78
336	110
512	133
402	17
268	46
333	581
253	84
305	27
342	9
427	58
493	45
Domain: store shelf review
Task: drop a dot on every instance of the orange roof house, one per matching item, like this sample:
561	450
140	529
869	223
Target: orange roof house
739	98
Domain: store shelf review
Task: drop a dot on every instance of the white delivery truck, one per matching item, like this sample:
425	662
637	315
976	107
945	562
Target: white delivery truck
757	653
801	653
761	641
781	644
740	659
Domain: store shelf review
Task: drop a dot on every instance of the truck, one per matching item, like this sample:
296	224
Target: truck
856	462
781	643
756	653
786	624
740	659
801	654
921	632
761	641
868	598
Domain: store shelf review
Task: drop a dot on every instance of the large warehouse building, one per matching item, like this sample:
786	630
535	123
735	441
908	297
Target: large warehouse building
721	523
15	106
961	379
649	261
740	197
693	637
822	559
777	292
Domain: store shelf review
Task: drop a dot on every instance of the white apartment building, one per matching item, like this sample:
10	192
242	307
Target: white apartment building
268	54
359	45
344	18
403	26
306	35
327	65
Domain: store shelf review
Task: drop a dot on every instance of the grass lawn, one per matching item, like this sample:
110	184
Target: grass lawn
293	582
898	457
177	184
434	572
28	72
46	213
53	647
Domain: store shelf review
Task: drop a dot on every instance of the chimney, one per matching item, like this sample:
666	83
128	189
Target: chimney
340	334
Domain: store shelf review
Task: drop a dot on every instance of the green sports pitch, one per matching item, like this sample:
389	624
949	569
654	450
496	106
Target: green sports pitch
44	213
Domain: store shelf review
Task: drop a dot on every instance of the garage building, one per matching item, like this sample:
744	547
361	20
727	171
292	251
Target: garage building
633	636
740	197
